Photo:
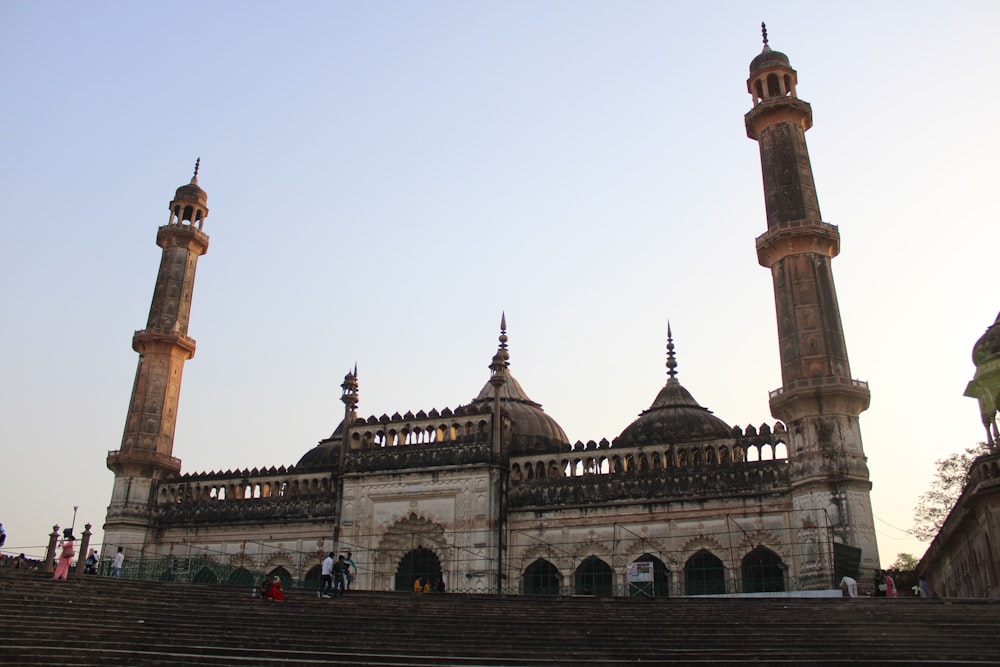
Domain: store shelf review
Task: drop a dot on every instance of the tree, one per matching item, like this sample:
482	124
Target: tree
904	563
934	504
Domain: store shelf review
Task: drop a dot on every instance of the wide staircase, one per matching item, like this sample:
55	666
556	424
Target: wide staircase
93	620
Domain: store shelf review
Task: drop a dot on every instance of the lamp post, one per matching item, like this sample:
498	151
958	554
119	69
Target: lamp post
73	525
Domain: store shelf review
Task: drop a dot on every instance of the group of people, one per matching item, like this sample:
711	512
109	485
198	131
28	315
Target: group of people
335	576
884	586
270	589
421	585
67	549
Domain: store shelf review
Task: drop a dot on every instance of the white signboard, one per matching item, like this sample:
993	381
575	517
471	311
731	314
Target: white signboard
640	573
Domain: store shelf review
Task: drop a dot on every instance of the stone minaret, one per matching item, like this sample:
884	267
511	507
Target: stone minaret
818	401
146	453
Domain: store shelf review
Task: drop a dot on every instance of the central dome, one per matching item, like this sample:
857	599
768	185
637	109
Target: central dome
674	416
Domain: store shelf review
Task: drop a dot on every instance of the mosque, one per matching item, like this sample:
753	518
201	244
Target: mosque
491	496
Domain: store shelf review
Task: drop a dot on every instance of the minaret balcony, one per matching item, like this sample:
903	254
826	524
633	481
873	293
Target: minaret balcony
774	110
174	339
810	396
184	235
797	237
142	459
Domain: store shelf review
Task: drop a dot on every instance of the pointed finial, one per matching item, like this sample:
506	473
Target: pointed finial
355	369
503	330
197	165
763	31
671	358
498	367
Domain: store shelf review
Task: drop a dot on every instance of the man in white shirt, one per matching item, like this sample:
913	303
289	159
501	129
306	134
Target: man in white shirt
849	586
116	563
326	577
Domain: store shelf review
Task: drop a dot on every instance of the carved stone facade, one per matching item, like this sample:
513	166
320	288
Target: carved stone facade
492	496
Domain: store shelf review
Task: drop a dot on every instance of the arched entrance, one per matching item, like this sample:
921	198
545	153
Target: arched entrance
763	571
541	578
704	574
420	562
593	577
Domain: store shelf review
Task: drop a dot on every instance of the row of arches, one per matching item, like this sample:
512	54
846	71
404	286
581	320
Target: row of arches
418	435
668	458
704	573
244	489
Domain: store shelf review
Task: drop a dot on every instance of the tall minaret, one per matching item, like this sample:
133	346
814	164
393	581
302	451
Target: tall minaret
818	401
146	454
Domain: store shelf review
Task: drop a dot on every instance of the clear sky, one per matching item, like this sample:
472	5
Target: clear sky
385	178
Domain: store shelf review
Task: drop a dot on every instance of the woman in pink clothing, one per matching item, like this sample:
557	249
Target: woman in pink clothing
65	556
890	586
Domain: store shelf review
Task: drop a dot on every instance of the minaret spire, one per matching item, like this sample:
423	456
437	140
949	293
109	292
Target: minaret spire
197	165
763	32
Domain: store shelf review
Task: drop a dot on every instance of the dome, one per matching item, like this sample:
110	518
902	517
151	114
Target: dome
533	431
326	453
673	417
988	346
769	58
191	192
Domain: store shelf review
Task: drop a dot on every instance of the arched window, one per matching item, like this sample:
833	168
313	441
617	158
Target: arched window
593	577
541	578
763	571
240	577
205	576
660	586
420	562
704	574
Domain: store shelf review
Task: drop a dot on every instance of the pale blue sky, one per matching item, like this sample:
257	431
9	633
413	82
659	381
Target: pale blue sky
385	177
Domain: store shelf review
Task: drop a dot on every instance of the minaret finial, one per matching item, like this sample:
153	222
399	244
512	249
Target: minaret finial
197	166
671	357
763	31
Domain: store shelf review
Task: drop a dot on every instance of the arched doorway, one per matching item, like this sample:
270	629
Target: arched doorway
240	577
704	574
420	562
661	578
763	571
593	577
541	578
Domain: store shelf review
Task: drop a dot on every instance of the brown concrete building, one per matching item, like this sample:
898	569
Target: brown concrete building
492	496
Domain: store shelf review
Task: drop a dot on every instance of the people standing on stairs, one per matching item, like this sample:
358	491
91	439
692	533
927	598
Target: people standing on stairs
326	577
66	555
117	562
890	586
339	576
347	573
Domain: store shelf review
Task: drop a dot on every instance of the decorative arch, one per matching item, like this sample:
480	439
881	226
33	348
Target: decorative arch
593	577
541	578
419	563
204	576
763	571
402	537
704	574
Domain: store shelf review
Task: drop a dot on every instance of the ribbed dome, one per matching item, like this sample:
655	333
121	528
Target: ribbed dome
533	430
769	58
673	417
988	346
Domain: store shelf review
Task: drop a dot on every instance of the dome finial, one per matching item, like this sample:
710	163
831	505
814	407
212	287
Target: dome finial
763	31
197	166
498	367
671	357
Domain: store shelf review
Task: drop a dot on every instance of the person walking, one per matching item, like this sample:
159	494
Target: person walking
65	556
339	576
116	563
326	577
